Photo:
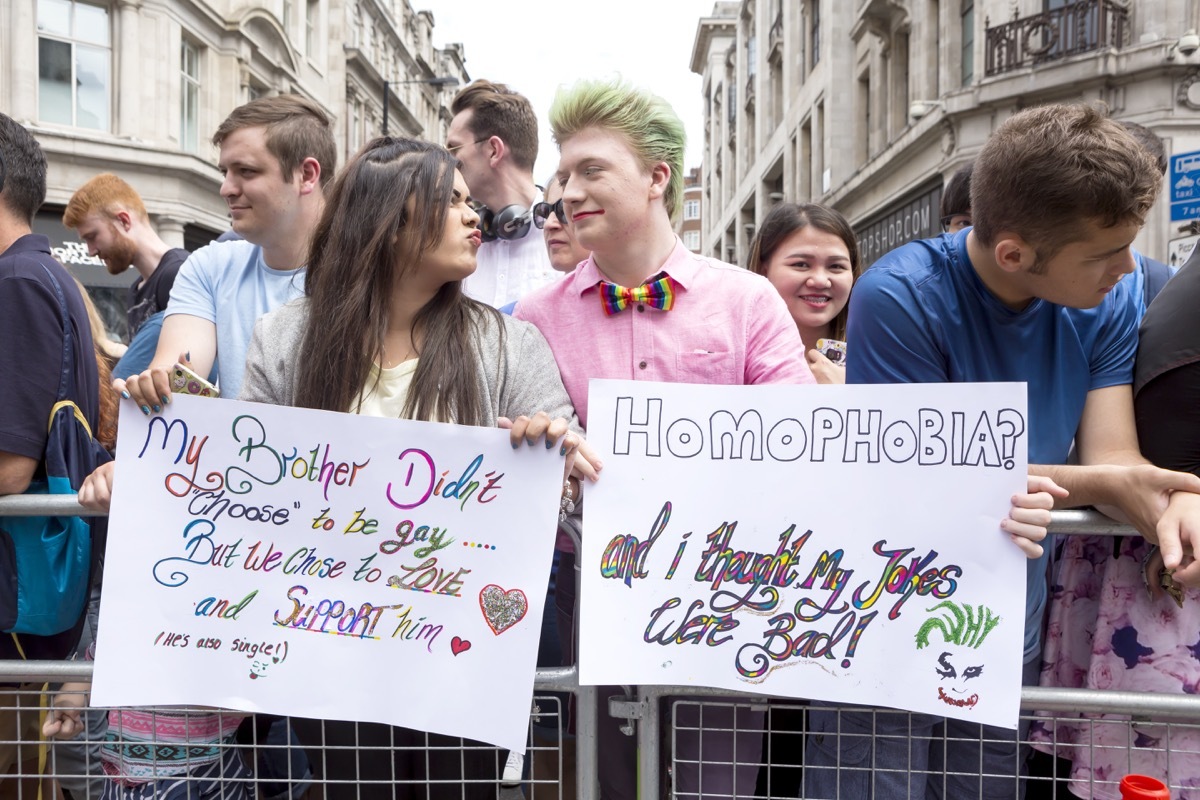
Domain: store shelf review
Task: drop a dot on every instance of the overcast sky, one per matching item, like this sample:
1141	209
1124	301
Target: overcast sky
535	47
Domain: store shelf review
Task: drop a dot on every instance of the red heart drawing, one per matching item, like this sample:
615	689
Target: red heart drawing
502	609
458	645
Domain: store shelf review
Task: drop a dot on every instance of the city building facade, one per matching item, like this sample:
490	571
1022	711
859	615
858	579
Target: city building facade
689	225
869	106
137	87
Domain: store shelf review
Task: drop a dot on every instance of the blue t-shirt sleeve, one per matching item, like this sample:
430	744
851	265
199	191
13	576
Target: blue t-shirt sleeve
889	336
141	350
194	291
1116	342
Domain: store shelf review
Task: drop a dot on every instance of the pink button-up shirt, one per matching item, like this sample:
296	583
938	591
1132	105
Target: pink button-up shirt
728	326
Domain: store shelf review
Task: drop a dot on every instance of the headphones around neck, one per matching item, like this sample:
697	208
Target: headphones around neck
511	222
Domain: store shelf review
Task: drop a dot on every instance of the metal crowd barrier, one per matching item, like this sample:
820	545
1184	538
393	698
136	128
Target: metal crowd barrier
659	715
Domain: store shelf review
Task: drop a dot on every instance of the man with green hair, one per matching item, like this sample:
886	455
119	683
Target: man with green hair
644	307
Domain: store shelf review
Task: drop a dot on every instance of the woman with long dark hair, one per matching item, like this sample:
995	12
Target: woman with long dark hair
384	329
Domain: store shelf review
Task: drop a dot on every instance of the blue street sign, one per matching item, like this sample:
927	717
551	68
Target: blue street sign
1181	212
1184	177
1184	186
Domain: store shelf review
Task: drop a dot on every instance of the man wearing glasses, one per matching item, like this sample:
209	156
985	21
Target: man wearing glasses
494	134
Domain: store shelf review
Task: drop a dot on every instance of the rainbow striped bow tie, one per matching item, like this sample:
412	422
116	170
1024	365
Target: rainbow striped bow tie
658	292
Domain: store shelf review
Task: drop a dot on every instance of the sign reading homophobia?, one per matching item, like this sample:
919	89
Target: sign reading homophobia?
839	543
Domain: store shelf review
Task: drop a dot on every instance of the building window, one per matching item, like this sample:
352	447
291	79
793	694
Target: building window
814	45
189	97
691	240
968	41
820	173
74	62
368	40
312	9
255	90
691	209
863	145
354	139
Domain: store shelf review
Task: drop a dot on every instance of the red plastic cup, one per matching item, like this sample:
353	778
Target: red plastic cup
1143	787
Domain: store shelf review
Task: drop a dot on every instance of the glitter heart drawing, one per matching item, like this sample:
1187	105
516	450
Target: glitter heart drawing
502	609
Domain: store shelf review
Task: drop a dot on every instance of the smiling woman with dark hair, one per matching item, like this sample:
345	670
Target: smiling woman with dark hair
810	255
385	330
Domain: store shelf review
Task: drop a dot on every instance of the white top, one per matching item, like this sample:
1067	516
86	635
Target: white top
507	270
386	397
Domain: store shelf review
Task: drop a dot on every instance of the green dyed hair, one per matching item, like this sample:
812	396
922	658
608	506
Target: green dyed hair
647	122
961	624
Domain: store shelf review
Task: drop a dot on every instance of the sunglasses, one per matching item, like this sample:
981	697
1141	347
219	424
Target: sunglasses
542	212
454	150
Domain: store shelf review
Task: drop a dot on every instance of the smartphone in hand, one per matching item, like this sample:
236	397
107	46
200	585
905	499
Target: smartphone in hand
833	349
184	381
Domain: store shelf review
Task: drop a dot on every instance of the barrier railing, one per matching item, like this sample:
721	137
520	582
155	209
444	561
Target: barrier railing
642	709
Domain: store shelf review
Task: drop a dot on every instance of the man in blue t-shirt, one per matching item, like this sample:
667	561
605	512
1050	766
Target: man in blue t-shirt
1032	293
277	156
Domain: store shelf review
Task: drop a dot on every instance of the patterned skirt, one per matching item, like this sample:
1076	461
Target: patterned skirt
1105	632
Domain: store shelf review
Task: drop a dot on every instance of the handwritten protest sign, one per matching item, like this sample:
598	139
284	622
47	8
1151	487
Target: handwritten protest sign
832	542
326	565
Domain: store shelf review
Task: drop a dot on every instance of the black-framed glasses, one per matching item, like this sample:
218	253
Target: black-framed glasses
542	212
953	223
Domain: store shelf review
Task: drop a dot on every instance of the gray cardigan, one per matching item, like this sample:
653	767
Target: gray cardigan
522	380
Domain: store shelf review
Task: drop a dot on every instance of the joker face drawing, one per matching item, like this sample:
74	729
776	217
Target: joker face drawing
963	628
955	688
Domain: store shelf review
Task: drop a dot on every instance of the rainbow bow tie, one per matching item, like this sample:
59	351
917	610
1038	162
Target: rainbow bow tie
658	292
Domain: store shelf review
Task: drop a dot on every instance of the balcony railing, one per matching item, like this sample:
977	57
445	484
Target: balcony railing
1084	26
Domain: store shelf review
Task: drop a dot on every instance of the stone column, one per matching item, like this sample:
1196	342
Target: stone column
128	49
170	229
880	84
21	36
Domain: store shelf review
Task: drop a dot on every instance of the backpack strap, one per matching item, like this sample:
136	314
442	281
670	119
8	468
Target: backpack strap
65	373
82	420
